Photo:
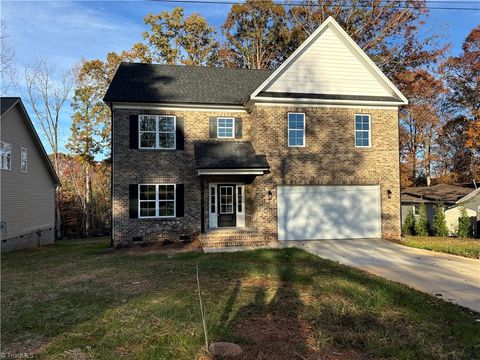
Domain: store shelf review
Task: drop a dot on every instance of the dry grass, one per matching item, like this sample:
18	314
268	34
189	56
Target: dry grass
77	300
456	246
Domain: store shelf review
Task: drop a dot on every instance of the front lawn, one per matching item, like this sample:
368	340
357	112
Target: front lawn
77	300
456	246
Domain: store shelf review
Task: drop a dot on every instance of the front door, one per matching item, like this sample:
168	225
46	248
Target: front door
226	205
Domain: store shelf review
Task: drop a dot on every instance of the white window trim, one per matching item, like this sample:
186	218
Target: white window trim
21	159
233	128
304	130
157	209
157	133
2	159
369	131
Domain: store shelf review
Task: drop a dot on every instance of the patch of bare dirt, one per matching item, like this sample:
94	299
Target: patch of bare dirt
163	248
279	338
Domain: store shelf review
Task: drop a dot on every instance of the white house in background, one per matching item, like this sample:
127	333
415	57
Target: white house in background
471	202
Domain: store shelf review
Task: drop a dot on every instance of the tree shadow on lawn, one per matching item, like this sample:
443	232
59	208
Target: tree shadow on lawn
320	308
276	303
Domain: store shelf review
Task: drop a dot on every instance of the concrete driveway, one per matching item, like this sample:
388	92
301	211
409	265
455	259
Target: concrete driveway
452	278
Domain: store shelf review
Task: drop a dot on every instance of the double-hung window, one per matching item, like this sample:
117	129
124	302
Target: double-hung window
157	132
23	160
225	128
296	129
362	130
156	200
5	156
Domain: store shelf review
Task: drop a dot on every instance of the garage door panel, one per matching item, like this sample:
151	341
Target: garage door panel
328	212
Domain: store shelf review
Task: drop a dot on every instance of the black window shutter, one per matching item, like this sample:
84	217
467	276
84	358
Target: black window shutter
213	127
238	128
180	200
133	199
180	133
133	131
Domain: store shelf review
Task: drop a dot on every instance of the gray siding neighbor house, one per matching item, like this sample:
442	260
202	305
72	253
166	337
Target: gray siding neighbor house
446	194
28	181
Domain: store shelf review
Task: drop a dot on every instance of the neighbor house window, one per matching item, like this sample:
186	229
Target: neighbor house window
156	132
296	129
156	200
416	209
5	156
362	130
225	128
23	159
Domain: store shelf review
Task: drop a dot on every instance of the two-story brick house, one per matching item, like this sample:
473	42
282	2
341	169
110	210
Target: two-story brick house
247	157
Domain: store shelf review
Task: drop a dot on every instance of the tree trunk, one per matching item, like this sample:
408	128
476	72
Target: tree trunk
88	203
58	214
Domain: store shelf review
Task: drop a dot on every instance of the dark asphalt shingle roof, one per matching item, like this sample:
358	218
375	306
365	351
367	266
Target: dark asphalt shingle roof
183	84
6	103
228	155
440	192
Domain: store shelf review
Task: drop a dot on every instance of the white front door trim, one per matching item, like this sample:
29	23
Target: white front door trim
213	210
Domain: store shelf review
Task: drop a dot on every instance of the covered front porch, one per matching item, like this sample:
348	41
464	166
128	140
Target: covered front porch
226	171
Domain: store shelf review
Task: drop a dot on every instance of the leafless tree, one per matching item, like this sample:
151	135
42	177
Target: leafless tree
7	62
48	92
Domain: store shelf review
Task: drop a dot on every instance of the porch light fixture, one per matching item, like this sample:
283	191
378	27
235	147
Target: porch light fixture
270	195
389	194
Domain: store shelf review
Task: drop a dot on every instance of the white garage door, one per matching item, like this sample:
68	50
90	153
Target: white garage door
328	212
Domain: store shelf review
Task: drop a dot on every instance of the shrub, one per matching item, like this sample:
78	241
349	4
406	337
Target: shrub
421	226
465	227
408	227
439	225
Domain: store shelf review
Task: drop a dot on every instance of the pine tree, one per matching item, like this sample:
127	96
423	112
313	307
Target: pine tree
439	225
408	227
421	226
465	228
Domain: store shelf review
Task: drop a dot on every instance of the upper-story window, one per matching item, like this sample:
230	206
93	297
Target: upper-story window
296	129
156	132
225	128
23	160
362	130
5	156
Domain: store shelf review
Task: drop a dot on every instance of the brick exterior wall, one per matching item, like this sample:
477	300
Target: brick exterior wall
329	158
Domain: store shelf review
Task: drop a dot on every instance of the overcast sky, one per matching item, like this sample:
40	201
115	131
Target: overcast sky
66	32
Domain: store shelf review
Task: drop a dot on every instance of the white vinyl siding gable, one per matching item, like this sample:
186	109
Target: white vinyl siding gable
329	66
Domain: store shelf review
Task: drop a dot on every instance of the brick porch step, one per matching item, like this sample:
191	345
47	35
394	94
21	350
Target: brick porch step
225	237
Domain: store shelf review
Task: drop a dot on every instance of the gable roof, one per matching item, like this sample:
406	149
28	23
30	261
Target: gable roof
441	192
473	194
334	59
7	103
153	83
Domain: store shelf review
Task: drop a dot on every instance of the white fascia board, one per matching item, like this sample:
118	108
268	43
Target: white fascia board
298	101
232	171
330	21
183	107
